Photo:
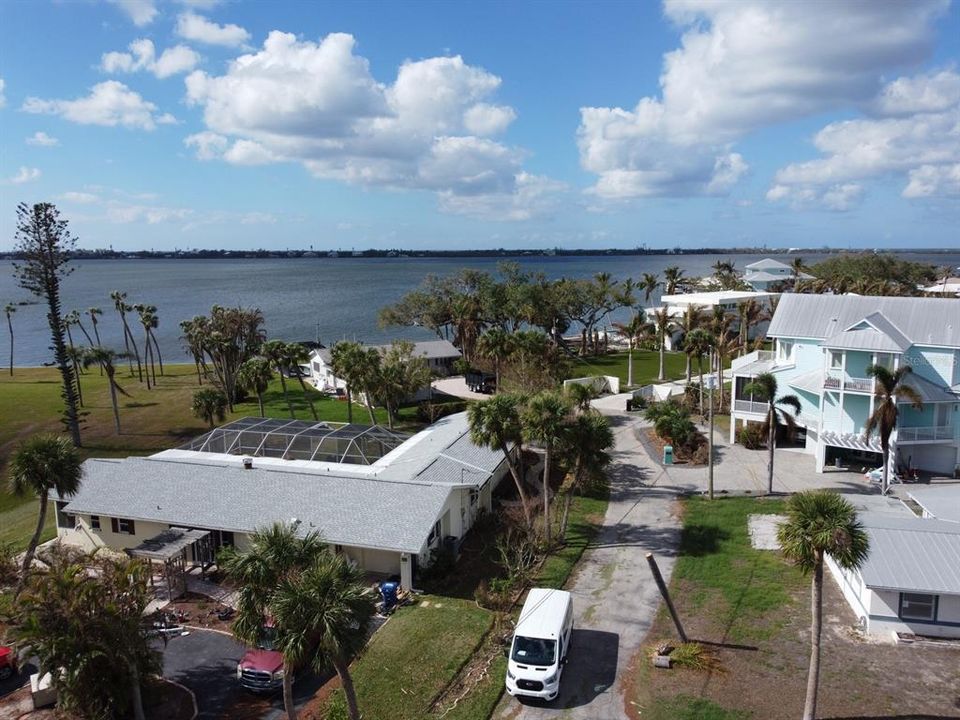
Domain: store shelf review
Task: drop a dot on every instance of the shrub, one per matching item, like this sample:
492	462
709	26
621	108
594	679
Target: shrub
752	436
461	366
429	411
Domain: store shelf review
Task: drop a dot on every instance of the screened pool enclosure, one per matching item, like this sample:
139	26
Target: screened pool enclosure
299	440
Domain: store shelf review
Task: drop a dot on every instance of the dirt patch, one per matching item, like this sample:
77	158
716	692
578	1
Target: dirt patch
859	677
199	611
162	700
696	457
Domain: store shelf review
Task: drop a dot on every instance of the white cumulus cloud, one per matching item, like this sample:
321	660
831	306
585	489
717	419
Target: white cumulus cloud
142	56
913	134
80	198
197	28
109	103
743	65
41	139
140	12
318	104
25	175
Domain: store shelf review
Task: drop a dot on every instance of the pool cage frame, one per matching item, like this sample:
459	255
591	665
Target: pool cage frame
299	440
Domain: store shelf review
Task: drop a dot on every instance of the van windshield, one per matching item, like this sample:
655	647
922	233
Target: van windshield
534	651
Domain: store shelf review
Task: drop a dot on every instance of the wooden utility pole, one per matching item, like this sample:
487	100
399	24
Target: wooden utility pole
658	578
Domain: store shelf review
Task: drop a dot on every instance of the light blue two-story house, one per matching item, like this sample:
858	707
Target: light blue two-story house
768	274
823	345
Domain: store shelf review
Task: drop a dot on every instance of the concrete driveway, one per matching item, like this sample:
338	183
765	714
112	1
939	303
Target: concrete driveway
614	597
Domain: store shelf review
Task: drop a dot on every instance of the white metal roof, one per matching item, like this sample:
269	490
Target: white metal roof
941	501
543	613
715	297
911	554
923	321
768	264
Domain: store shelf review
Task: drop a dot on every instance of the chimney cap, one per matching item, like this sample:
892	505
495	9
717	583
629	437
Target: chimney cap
247	463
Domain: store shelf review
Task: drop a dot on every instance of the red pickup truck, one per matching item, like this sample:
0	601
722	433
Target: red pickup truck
261	668
8	662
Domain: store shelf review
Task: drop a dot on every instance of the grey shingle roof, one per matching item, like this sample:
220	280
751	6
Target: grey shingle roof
912	554
943	502
347	511
924	321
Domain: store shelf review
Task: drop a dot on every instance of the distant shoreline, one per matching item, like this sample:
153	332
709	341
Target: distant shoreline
399	254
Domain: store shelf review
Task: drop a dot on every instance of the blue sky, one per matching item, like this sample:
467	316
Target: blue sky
197	123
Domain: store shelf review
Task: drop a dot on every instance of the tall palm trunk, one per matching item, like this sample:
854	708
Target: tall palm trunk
159	356
517	478
816	623
35	539
286	395
700	370
96	331
288	703
546	495
663	342
113	399
771	445
349	405
303	386
10	326
689	368
885	448
148	361
136	699
366	401
343	670
629	365
260	403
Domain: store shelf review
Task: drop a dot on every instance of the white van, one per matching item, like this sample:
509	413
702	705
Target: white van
540	644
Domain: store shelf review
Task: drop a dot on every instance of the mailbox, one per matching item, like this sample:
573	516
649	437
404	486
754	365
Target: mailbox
668	454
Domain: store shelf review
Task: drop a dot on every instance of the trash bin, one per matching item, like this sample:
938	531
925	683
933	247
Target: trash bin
668	454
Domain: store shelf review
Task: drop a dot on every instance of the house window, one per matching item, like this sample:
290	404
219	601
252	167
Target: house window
885	360
836	359
918	606
474	496
95	522
434	534
786	350
122	525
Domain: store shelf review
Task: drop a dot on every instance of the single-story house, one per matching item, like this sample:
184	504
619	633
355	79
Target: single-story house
438	354
910	582
728	300
385	500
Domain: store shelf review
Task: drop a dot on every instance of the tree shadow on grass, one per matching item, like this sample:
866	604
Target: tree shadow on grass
140	404
700	540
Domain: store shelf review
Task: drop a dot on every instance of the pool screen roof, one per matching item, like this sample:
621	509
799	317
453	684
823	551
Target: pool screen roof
299	440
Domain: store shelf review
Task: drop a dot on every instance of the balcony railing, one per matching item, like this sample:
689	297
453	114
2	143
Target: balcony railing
749	406
919	434
833	380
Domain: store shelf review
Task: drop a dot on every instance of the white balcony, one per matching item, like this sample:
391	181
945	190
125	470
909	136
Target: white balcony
925	434
750	406
836	380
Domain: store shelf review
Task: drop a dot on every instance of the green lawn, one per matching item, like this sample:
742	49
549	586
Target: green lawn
718	572
151	420
646	365
684	707
422	648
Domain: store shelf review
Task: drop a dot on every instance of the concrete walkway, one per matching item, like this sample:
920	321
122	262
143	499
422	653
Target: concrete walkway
615	598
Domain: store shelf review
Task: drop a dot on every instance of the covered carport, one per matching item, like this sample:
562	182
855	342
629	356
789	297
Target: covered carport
170	548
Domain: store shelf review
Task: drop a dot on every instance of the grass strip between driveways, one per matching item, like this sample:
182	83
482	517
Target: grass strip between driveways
422	648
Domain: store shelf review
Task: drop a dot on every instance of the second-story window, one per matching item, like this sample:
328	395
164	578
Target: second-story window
836	359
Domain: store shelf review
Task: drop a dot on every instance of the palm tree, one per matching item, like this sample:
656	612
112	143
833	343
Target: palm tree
580	395
663	323
9	309
495	423
672	279
635	331
322	615
148	319
41	464
195	336
106	359
698	343
764	386
750	312
275	553
495	345
75	355
254	376
543	420
584	451
366	374
649	285
276	352
820	523
94	313
342	357
887	386
209	404
692	319
296	355
119	303
799	268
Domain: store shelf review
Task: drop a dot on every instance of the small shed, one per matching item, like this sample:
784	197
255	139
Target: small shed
170	548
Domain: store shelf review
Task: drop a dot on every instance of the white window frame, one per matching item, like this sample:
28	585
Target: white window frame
835	354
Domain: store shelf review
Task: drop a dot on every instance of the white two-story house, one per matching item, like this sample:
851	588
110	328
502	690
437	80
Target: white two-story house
823	345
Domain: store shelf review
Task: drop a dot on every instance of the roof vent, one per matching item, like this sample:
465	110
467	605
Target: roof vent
248	463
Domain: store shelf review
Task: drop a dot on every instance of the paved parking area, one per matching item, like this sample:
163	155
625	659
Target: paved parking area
206	663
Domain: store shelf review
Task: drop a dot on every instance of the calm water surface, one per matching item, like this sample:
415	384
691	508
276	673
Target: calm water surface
301	299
